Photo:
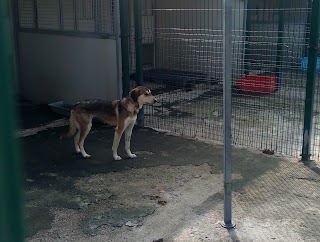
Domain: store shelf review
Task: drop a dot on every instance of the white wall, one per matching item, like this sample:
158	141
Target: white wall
55	68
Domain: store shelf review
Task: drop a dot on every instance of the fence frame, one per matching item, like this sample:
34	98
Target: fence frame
311	77
124	26
138	46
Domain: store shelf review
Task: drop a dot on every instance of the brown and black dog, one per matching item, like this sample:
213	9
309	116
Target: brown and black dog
120	113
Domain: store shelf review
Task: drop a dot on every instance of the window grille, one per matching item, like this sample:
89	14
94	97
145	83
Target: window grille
67	16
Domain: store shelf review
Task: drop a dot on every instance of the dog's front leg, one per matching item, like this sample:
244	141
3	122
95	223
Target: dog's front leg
117	137
128	133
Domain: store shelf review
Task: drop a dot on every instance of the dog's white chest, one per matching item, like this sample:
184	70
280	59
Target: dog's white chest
130	120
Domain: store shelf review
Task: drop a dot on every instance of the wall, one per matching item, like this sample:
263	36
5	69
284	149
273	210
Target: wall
56	67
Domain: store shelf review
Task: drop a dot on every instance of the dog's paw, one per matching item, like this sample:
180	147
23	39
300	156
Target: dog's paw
132	156
86	156
116	157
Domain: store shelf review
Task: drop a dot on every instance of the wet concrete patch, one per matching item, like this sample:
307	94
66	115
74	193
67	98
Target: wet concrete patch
37	218
62	194
117	217
49	192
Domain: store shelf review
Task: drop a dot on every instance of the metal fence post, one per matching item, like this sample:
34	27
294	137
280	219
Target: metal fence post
248	33
307	34
311	76
11	223
282	4
227	75
138	44
117	31
124	25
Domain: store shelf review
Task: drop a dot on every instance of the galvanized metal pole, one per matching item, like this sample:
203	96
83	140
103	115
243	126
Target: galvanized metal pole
11	223
117	32
227	75
248	34
282	4
311	76
138	44
124	26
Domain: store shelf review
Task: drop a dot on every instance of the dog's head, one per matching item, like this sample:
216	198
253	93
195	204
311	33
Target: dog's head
142	95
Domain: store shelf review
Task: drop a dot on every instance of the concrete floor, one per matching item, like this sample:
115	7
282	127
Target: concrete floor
172	191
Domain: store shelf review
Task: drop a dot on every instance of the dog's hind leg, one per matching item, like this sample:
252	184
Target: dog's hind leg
84	131
72	126
128	133
76	141
117	137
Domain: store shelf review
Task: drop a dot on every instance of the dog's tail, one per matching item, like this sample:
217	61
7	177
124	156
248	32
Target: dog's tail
72	127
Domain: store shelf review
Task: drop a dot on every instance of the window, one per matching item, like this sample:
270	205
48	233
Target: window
62	16
86	10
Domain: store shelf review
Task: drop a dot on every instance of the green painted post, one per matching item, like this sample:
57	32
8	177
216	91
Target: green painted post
282	4
138	41
124	26
248	33
11	183
138	44
311	76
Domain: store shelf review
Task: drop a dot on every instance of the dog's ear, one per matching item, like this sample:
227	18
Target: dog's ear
134	94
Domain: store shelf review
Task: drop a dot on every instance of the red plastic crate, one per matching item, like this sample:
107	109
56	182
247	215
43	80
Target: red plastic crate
257	84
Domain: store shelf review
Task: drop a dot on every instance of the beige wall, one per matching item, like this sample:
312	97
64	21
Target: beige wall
55	68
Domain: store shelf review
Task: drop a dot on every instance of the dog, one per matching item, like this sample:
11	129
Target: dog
120	113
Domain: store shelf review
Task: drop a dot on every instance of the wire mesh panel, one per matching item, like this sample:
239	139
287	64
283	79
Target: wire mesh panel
182	41
268	109
183	44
